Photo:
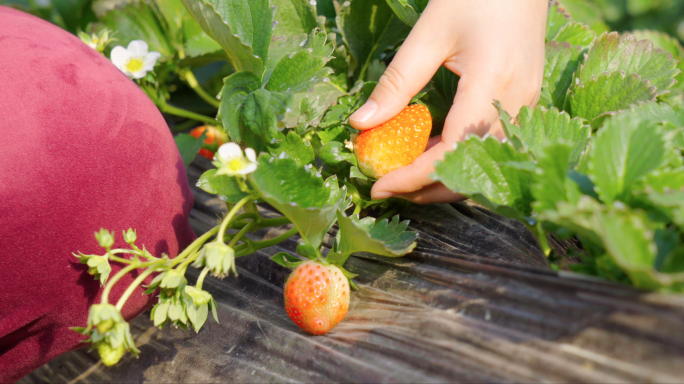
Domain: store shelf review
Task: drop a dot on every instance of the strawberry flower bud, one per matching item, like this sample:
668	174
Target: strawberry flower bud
199	297
130	236
105	238
232	161
98	266
97	41
172	279
218	257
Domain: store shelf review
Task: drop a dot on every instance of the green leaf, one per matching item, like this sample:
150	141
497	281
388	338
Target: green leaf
299	71
576	34
440	98
587	12
305	249
624	151
236	88
473	169
551	184
654	112
445	83
196	41
668	44
286	260
138	22
611	53
241	27
338	133
673	203
260	113
300	194
336	115
561	63
555	20
385	238
294	17
340	64
369	27
324	95
607	93
539	128
629	239
408	11
225	186
301	152
334	153
188	146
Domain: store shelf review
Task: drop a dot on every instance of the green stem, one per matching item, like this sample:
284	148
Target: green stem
194	246
191	80
170	109
257	245
121	260
184	265
541	237
357	209
200	279
229	217
117	277
274	222
123	250
135	284
242	232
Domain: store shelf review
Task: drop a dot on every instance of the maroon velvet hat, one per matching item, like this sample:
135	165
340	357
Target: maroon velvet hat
81	147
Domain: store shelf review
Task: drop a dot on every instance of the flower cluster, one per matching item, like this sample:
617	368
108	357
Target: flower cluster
180	304
109	333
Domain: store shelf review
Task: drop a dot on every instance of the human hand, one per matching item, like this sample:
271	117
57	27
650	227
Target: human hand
497	49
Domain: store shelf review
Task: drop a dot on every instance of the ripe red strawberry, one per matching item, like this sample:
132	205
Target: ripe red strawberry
214	139
395	143
316	297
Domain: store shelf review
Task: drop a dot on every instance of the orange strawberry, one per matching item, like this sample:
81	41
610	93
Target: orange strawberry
214	139
395	143
316	297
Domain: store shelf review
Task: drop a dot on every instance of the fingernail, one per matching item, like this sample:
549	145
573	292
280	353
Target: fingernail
364	113
381	195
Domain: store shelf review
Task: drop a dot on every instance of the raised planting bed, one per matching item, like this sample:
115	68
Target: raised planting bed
474	302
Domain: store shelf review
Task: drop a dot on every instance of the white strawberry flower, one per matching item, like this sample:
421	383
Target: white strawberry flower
232	161
135	61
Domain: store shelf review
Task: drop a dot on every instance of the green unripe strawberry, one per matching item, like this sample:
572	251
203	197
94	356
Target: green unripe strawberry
109	355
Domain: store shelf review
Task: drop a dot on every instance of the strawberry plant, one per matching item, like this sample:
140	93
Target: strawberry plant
599	158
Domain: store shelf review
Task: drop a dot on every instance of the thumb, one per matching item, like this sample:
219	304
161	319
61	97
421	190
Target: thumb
411	69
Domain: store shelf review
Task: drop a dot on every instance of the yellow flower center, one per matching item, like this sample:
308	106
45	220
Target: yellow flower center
236	164
134	65
95	40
